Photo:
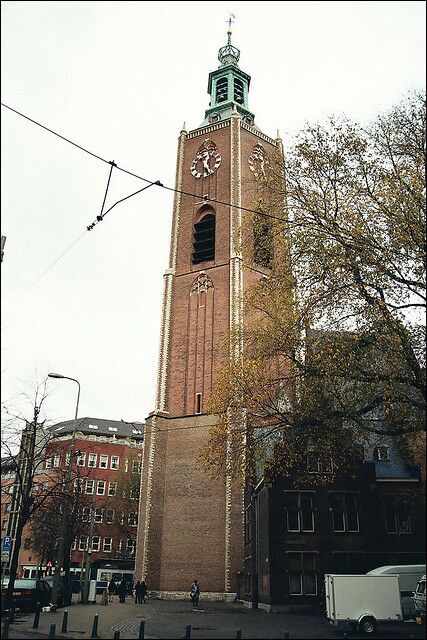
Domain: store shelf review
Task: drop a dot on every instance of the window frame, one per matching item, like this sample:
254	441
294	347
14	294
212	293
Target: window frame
103	458
98	483
107	544
114	460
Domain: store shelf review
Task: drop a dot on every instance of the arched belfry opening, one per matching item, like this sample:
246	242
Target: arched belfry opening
204	236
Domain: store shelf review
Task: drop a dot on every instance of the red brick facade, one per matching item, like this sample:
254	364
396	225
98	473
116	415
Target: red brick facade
191	526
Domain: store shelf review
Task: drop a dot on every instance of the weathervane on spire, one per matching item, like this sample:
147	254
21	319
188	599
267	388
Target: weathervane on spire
230	21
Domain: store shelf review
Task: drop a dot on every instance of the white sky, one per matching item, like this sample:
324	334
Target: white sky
120	78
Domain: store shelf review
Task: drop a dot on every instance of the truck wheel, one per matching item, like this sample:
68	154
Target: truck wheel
367	625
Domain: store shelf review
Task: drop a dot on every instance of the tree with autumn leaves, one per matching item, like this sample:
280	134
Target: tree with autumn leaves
333	339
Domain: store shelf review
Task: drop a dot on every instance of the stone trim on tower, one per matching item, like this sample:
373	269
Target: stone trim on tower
168	283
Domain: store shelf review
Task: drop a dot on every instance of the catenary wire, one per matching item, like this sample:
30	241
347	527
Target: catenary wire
151	182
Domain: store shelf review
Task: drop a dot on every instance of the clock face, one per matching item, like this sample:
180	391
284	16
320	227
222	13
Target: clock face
258	161
207	160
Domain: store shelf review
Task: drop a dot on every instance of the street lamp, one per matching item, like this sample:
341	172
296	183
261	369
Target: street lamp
66	494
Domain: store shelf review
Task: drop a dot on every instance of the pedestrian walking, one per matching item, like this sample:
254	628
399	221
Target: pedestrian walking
122	590
195	593
143	591
138	593
111	590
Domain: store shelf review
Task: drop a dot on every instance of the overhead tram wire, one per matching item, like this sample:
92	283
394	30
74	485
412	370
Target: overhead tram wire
151	182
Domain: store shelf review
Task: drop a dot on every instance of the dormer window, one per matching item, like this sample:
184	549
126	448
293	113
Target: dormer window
204	239
382	453
222	90
238	91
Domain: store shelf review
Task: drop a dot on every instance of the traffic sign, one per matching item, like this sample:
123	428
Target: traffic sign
5	555
7	543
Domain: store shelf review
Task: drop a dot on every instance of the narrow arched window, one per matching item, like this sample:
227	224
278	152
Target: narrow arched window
222	90
238	91
263	245
204	239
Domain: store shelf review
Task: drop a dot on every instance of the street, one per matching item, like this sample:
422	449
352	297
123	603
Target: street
168	620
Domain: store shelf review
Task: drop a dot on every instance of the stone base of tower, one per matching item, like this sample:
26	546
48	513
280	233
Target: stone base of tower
190	525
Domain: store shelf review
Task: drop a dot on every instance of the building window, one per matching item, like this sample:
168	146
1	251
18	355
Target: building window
100	488
74	544
382	453
67	459
344	510
198	403
90	486
133	519
112	488
302	574
56	460
126	465
78	485
130	547
92	460
98	515
396	516
85	514
222	90
7	506
263	243
83	543
81	459
96	543
204	239
48	463
136	466
108	542
299	511
238	91
248	524
114	462
317	463
134	493
103	461
109	516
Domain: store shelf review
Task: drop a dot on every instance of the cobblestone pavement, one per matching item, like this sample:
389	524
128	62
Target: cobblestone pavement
168	620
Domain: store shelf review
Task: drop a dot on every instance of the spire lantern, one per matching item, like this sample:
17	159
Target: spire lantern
228	54
228	86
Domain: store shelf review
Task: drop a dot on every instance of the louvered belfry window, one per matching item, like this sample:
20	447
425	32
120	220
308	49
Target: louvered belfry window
204	239
238	91
222	90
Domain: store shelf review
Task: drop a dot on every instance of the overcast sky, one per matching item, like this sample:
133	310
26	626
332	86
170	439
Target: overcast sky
120	78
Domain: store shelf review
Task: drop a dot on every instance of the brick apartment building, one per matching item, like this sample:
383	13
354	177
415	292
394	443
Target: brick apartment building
106	470
293	537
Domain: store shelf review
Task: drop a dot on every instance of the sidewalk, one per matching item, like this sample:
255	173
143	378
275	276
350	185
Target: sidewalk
210	620
126	617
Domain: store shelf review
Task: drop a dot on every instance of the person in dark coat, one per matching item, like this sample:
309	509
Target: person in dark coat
143	591
122	590
195	593
138	593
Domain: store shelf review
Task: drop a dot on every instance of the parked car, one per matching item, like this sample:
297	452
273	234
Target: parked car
31	594
61	591
409	577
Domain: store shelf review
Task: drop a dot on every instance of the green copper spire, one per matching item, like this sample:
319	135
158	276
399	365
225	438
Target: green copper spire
228	86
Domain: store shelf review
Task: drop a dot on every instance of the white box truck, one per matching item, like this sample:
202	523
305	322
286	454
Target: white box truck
409	577
362	601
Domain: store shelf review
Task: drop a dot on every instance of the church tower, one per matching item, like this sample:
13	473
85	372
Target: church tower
190	525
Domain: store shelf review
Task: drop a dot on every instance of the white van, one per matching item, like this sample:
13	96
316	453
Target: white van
420	597
409	576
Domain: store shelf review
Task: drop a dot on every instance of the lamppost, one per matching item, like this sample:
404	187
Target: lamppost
65	501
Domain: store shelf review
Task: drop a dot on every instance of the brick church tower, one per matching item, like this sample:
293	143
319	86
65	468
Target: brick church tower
191	526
